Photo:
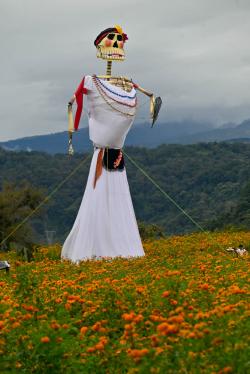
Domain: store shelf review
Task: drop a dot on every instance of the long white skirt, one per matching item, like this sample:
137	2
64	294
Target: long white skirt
105	225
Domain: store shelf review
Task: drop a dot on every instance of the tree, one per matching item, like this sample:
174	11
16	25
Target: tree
16	204
236	216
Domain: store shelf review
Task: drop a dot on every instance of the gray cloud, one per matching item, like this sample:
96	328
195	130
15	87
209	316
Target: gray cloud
193	53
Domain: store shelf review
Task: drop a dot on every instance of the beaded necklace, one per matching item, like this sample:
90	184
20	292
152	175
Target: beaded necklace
115	93
105	96
117	101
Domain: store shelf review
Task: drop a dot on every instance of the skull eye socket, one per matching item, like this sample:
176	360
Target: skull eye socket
119	38
111	36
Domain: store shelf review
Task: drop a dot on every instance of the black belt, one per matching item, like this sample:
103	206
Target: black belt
111	159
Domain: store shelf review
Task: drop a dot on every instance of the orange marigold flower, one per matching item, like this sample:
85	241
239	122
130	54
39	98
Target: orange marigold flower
199	334
176	319
166	328
99	346
172	329
83	330
201	314
179	309
140	289
206	331
137	353
128	316
158	350
227	369
173	302
204	286
67	306
162	327
45	339
128	327
236	290
217	341
103	339
16	324
27	316
165	294
96	326
154	341
173	272
42	316
55	325
156	318
91	349
138	318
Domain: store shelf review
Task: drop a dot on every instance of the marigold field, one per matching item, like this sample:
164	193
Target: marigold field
183	308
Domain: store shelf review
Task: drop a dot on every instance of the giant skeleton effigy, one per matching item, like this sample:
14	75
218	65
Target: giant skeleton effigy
106	225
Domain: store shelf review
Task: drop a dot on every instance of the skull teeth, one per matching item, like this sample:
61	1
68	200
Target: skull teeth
108	53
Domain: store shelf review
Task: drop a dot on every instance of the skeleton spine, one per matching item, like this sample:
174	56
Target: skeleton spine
109	67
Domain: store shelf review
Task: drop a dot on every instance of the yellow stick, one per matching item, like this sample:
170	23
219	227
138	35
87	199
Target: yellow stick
70	119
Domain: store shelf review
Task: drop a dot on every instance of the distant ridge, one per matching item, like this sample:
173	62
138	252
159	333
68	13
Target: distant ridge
141	135
242	131
241	140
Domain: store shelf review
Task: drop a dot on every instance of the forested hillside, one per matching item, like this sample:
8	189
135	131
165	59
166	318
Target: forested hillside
204	179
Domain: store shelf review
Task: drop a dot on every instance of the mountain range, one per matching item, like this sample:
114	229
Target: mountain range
141	135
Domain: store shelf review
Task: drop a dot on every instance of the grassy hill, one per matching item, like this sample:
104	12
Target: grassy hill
180	309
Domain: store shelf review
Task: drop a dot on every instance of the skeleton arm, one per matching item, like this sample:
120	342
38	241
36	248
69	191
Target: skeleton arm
70	116
149	94
71	124
72	100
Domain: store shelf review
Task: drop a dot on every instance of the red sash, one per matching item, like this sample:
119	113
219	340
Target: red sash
81	90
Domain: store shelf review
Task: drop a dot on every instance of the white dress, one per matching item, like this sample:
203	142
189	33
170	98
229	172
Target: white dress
106	225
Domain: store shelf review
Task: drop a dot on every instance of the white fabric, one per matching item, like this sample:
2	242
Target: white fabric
105	225
108	127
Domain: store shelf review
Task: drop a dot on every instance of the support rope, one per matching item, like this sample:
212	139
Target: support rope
168	197
45	200
165	193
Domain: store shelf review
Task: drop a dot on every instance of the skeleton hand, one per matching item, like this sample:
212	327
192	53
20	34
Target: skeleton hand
70	118
152	106
71	149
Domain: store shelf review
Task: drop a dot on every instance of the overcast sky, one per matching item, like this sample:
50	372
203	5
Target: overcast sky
193	53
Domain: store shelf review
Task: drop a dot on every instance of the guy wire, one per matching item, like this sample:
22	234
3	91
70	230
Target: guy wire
45	200
172	200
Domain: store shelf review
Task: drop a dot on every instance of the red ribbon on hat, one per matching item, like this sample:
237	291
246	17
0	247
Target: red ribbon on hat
81	90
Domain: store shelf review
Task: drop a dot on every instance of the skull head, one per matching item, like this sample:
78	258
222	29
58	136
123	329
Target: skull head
110	43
